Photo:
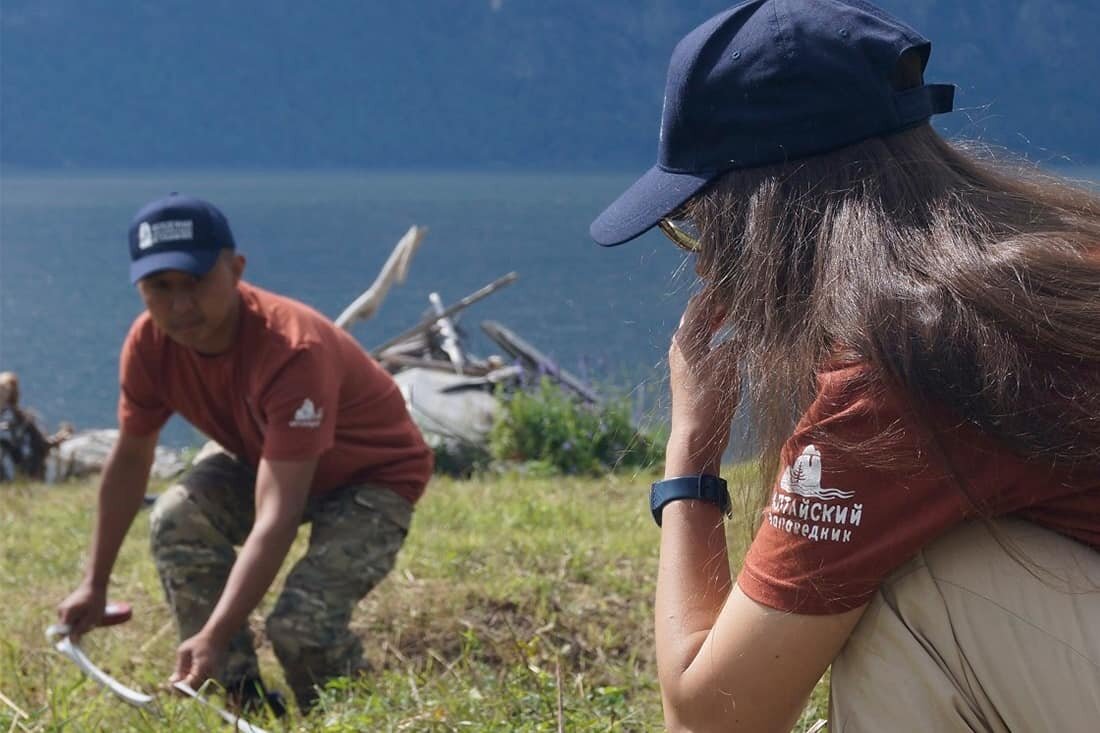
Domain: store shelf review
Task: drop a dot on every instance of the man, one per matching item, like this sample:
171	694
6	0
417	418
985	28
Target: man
310	429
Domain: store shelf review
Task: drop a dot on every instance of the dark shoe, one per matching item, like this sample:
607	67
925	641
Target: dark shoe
250	697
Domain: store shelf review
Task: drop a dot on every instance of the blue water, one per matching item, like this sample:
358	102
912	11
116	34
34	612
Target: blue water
606	314
66	301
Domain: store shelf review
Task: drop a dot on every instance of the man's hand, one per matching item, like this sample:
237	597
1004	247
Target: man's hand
198	659
83	609
121	490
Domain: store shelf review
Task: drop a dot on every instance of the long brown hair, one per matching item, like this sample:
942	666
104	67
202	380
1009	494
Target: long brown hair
966	282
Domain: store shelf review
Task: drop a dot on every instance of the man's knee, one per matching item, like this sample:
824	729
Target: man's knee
171	519
183	538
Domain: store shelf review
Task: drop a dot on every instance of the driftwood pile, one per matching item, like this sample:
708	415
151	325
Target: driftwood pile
452	393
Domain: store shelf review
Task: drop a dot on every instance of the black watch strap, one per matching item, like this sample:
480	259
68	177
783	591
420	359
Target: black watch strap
703	487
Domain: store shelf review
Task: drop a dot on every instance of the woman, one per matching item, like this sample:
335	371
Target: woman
920	332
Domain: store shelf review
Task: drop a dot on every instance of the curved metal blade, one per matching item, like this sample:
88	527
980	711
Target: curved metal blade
242	725
75	653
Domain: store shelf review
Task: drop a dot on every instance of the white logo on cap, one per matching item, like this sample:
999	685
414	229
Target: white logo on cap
164	231
145	236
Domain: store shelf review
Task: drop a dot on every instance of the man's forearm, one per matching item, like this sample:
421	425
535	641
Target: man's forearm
281	491
121	491
257	565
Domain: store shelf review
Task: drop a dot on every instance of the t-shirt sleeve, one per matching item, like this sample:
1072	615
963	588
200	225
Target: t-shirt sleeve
840	519
300	407
141	411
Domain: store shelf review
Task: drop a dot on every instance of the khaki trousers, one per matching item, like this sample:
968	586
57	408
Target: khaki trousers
965	638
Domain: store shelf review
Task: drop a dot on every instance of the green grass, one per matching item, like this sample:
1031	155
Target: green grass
518	604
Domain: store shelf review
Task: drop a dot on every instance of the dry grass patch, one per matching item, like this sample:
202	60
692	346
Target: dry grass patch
518	604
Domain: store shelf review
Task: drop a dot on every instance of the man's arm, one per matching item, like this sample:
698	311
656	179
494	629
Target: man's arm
121	491
282	488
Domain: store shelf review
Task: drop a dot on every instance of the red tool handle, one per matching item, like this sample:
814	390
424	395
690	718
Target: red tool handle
116	613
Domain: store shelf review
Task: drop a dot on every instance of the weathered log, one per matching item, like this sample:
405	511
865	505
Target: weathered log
451	345
395	269
450	310
403	360
520	349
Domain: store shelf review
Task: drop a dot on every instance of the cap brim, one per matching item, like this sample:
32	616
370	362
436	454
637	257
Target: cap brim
195	263
652	197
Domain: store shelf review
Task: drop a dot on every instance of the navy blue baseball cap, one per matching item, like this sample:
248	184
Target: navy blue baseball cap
770	81
177	233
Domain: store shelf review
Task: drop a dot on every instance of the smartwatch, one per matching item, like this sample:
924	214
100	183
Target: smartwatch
702	487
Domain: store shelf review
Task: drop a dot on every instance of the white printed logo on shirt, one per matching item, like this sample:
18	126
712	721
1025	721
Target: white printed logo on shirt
804	508
307	416
804	478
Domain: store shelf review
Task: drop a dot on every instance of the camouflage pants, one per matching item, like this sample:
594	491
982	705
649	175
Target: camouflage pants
355	535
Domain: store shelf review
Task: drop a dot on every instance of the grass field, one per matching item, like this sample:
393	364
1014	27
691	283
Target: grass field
518	604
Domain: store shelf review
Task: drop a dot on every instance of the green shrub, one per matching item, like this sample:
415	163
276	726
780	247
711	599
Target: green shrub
461	459
552	431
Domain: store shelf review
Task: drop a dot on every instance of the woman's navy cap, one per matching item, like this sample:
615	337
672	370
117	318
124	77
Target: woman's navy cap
769	81
177	233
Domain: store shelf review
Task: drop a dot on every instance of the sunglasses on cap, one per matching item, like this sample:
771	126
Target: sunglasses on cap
681	229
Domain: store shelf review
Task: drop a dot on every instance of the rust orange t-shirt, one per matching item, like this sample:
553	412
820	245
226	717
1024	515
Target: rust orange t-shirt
293	387
839	521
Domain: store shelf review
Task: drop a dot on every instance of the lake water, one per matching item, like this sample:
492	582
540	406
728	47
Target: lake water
66	302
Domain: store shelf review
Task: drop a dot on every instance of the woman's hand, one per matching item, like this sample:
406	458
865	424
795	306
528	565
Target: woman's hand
705	388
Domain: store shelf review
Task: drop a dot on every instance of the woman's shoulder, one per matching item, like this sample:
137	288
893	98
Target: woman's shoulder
859	416
846	383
